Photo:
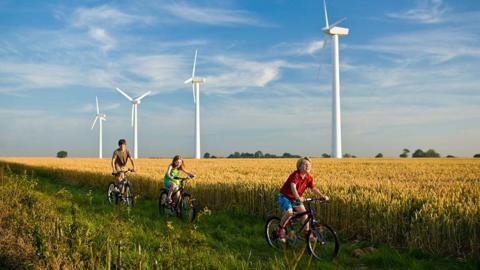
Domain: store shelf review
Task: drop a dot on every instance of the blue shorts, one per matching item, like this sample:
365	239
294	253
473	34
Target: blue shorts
285	203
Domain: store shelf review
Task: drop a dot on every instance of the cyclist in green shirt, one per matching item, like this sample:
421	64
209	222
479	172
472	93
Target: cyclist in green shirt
171	179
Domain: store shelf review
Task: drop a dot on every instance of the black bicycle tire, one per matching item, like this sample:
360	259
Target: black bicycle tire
266	232
335	238
179	211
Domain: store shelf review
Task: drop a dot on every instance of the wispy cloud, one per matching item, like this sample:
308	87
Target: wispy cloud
213	15
101	36
435	46
105	15
235	74
300	48
104	107
100	20
426	11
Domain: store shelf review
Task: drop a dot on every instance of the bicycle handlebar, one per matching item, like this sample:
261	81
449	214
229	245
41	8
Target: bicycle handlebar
127	171
315	200
184	178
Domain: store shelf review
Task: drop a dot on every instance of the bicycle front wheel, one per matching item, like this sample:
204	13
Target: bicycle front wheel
324	244
163	208
111	194
186	208
128	196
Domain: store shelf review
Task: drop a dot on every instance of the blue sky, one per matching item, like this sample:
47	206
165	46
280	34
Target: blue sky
409	76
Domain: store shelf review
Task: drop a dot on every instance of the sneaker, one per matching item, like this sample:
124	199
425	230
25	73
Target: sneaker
281	234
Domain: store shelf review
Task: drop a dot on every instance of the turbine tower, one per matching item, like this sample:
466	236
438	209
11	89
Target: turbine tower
195	81
100	117
135	103
334	31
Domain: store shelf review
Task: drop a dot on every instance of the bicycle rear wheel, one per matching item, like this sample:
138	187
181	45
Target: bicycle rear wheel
186	209
324	245
271	232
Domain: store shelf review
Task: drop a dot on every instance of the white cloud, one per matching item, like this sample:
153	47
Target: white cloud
426	11
234	74
300	48
434	46
101	36
104	15
104	107
213	15
100	22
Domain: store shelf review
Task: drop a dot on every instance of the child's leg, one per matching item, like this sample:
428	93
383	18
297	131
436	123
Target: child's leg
299	209
177	195
285	218
287	209
170	191
117	183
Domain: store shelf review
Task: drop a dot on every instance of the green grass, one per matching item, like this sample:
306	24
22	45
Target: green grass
220	240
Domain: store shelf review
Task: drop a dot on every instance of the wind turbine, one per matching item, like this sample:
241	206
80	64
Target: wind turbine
135	103
335	31
100	117
195	81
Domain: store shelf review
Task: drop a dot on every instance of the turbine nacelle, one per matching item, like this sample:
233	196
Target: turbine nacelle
135	103
336	30
196	80
99	115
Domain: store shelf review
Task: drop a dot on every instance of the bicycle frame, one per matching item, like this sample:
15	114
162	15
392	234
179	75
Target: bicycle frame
181	190
310	218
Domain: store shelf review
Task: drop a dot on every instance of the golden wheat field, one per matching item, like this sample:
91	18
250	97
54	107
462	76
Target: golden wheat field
431	204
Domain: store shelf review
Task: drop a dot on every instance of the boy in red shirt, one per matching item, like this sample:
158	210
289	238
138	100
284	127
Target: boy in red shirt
290	196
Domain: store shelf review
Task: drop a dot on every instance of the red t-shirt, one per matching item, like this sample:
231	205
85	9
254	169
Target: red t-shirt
301	184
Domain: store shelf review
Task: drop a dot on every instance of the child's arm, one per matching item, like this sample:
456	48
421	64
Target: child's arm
133	163
293	187
169	171
188	173
317	192
113	162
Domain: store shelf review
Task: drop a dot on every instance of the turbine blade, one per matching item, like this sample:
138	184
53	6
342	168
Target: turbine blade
194	64
125	95
338	22
189	80
94	121
133	108
144	95
98	109
193	92
326	15
322	53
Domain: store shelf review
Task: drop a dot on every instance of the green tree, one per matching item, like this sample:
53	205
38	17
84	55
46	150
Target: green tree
405	153
259	154
418	153
325	155
431	153
62	154
476	156
206	155
379	155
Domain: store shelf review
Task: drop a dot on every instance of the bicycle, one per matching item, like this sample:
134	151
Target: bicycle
114	192
321	241
182	208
